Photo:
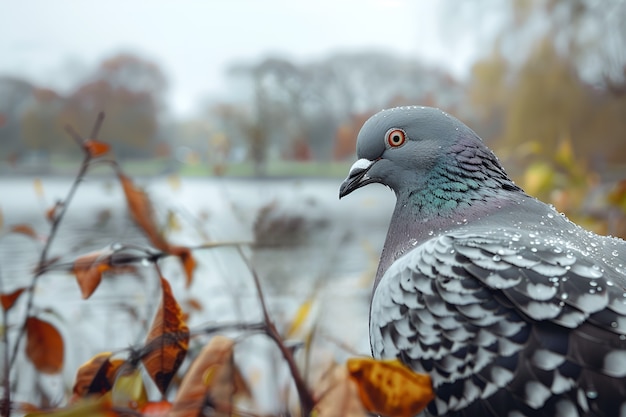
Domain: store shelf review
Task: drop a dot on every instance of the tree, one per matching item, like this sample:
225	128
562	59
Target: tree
15	94
130	90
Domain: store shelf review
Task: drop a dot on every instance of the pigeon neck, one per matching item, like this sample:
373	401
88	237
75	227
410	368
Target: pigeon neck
468	176
461	188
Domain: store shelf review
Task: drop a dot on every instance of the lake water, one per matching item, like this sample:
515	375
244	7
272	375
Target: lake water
308	245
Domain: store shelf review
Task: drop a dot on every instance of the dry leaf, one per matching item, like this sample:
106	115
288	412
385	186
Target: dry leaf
338	396
88	269
167	341
156	409
44	346
142	212
96	148
9	299
195	304
97	375
188	261
389	388
210	375
25	230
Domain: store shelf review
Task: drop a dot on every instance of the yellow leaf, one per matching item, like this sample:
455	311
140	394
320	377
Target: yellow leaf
38	185
538	178
389	388
564	154
300	318
129	390
173	224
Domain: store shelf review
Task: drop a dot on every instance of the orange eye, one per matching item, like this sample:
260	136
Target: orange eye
395	137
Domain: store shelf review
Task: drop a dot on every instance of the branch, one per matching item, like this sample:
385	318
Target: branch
306	399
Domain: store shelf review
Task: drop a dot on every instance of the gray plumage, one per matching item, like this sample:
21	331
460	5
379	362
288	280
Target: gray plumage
510	307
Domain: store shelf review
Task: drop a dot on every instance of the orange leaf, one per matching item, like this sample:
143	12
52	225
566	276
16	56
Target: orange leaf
338	396
96	148
44	346
187	259
168	340
97	375
156	409
390	388
24	229
51	213
9	299
142	212
210	375
88	269
195	304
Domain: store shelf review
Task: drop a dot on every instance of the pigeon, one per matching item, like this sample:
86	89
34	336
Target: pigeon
511	308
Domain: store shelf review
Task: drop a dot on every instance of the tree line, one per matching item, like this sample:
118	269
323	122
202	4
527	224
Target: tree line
529	91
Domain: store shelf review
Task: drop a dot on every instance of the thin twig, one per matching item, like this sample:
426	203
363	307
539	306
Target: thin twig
56	221
306	399
96	126
119	258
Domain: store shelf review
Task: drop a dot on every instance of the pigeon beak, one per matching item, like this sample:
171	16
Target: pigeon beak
357	177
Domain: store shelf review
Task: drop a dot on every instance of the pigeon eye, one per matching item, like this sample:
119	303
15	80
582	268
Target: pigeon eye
395	137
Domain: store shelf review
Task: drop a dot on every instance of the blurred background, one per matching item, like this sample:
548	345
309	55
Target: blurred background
240	118
279	87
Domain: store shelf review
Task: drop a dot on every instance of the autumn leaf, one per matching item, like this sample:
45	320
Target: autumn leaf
9	299
210	375
156	409
51	213
97	375
24	229
194	304
188	261
96	148
337	395
38	186
129	389
88	269
300	319
389	388
167	341
44	346
142	212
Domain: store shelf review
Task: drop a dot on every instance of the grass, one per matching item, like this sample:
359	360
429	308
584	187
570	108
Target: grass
154	167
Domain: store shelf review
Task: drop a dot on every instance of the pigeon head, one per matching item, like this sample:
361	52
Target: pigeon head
399	147
427	154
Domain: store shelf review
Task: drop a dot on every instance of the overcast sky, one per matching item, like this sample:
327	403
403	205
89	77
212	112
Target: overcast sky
193	41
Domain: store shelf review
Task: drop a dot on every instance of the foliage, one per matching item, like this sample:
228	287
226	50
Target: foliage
190	382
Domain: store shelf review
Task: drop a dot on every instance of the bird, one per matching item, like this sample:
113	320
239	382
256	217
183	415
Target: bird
511	308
